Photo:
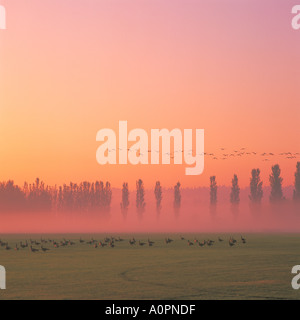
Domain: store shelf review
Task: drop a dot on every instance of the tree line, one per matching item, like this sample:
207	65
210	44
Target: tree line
96	197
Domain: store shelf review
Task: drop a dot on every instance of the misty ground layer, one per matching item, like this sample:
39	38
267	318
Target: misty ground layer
259	269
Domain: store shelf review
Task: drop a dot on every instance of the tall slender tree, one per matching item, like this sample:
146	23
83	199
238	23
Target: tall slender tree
107	196
213	190
158	196
177	198
140	197
276	184
256	191
296	195
235	191
125	199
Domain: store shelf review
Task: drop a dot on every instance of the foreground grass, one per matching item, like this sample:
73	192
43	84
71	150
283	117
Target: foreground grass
259	269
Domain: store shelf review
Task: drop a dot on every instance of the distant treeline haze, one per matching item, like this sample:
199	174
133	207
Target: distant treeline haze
96	197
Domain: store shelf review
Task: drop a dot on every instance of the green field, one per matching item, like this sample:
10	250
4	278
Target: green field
259	269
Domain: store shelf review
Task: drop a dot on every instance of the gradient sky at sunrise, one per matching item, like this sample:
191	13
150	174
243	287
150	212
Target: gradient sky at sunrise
71	67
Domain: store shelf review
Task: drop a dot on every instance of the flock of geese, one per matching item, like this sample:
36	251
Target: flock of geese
36	246
209	242
224	155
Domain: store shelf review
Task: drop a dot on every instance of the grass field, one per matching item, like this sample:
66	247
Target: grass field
259	269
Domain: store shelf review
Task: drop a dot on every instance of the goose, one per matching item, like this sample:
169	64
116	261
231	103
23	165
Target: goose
44	249
102	244
233	240
150	243
131	242
33	249
111	244
231	243
22	245
202	244
209	242
168	240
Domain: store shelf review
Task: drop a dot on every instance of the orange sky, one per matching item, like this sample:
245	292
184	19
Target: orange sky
69	68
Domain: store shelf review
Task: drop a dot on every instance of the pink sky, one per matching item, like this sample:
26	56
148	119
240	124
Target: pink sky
72	67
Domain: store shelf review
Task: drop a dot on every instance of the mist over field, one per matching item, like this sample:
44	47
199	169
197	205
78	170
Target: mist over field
195	215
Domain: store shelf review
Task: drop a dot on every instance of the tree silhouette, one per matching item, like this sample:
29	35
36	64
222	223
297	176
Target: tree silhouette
276	184
125	199
12	198
39	197
108	196
256	191
235	190
177	198
296	195
213	190
158	196
140	198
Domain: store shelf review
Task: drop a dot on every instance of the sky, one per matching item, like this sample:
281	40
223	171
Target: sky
69	68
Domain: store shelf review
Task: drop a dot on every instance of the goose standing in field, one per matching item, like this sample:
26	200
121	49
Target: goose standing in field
190	243
44	249
233	240
182	238
132	241
7	247
16	248
231	243
150	243
209	242
202	244
243	239
168	240
33	249
141	243
55	244
220	240
102	244
81	241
